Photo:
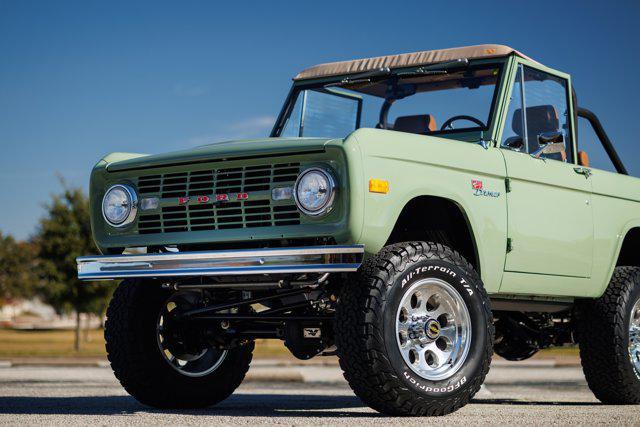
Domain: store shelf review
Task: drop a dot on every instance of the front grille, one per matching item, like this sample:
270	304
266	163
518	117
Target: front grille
256	211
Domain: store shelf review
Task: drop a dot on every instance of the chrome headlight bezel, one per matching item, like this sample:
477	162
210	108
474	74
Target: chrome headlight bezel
132	201
331	187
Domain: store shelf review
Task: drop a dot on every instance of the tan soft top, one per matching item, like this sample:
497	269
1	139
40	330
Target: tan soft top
407	60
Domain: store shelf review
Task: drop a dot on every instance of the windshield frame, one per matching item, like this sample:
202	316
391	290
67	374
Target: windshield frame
499	63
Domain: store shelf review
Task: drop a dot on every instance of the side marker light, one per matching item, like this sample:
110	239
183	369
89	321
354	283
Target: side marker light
378	186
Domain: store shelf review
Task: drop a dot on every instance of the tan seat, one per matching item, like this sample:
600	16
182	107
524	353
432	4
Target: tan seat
583	159
540	119
420	124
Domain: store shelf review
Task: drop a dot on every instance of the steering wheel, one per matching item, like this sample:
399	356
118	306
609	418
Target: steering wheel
448	123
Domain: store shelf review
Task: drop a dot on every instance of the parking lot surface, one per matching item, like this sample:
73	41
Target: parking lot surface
308	395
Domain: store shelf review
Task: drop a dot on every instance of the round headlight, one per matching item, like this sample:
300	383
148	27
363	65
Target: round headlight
119	205
314	191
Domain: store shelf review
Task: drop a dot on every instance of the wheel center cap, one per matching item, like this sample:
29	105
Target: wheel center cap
432	329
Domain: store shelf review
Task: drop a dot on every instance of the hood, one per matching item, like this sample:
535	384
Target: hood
218	151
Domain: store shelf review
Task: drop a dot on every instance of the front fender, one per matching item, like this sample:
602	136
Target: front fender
417	165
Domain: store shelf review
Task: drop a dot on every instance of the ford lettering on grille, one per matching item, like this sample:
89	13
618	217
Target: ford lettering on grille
216	197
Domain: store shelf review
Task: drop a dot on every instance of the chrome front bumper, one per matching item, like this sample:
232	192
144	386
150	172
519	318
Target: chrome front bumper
313	259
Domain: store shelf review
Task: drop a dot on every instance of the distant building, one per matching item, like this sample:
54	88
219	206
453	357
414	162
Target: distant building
34	314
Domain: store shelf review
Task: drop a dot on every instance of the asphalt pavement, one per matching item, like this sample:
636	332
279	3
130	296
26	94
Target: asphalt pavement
277	394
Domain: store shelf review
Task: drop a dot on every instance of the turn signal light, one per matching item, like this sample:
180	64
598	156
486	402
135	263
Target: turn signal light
378	186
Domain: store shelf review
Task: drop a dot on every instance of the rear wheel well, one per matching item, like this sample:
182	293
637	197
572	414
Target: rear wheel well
437	220
630	251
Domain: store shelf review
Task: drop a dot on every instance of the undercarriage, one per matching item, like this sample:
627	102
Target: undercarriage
226	312
521	335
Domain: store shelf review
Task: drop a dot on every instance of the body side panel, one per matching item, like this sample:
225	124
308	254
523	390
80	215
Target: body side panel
616	210
550	218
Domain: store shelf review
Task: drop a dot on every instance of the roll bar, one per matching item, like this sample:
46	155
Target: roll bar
604	139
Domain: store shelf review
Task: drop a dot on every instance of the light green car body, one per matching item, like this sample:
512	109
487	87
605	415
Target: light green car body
543	231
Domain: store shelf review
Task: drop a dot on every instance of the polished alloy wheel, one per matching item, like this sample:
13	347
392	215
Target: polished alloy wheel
634	337
174	345
433	329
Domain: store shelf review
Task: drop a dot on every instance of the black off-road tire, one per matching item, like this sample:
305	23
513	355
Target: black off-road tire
602	330
365	337
136	360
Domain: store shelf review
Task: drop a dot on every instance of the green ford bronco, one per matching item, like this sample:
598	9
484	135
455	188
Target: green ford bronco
411	214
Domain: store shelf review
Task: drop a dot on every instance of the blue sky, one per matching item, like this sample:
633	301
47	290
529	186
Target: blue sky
81	79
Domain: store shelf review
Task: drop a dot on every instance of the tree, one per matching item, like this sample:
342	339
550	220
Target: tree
18	278
65	234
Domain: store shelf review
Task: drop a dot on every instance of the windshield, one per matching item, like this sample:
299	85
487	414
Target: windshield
421	101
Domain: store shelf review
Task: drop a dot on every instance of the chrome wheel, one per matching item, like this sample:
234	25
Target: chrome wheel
634	337
186	354
433	329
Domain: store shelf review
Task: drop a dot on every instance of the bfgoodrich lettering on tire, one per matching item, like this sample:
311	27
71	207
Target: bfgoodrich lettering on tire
414	330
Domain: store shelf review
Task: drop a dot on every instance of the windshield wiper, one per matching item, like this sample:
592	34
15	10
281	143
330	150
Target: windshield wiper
362	77
436	69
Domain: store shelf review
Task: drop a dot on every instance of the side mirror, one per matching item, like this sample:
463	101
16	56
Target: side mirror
549	143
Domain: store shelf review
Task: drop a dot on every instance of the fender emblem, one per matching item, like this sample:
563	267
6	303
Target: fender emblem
479	190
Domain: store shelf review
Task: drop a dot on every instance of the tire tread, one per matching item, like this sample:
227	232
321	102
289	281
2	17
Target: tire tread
143	374
603	339
360	341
